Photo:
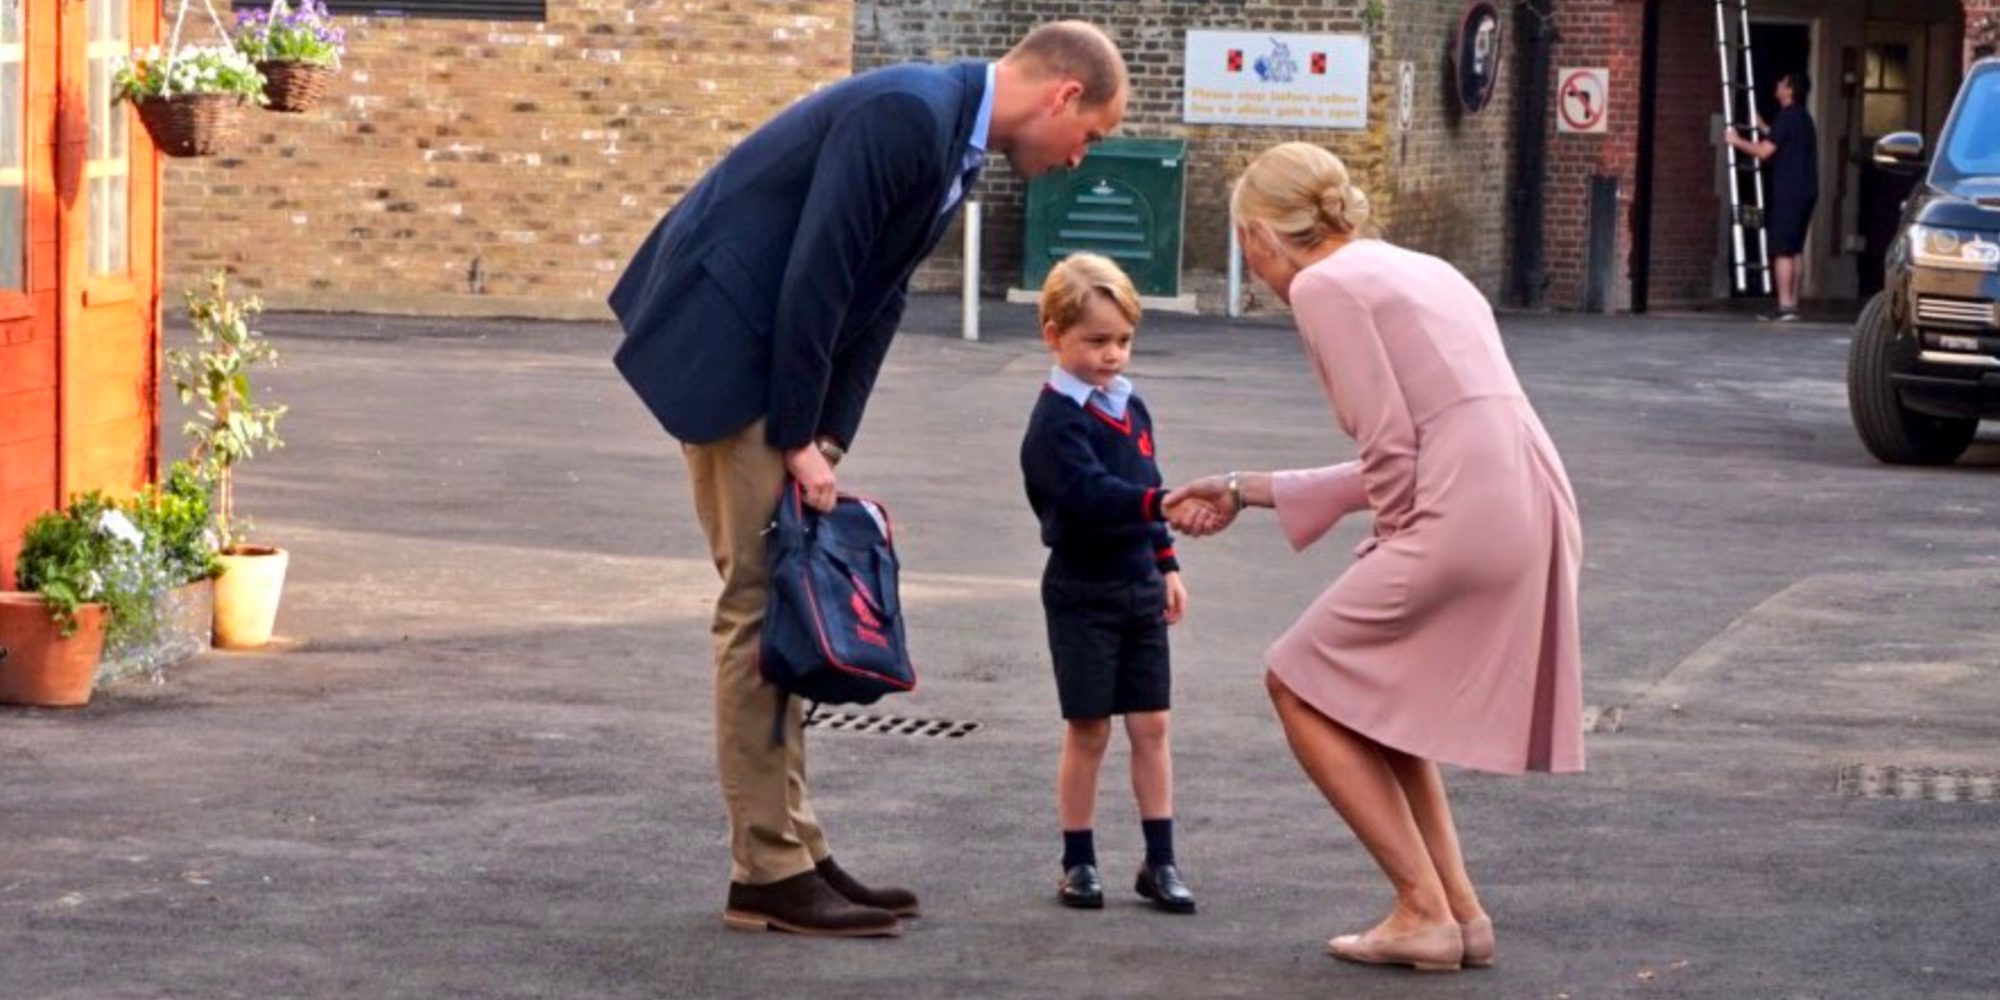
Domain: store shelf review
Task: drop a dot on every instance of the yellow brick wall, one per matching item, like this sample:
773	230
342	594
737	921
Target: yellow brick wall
494	168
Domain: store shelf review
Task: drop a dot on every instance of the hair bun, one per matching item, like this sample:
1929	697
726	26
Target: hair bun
1343	208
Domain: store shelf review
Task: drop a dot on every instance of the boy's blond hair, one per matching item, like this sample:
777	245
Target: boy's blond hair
1067	290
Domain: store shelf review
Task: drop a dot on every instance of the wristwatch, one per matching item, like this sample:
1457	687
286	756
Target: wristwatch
831	451
1236	490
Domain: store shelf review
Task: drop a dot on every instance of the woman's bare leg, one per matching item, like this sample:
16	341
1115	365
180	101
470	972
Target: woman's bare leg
1356	779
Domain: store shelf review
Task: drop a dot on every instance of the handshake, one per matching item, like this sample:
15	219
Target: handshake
1206	505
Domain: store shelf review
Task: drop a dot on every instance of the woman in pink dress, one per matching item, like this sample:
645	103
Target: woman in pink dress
1453	636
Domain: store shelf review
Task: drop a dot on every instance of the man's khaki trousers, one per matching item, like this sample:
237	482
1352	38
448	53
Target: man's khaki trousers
772	831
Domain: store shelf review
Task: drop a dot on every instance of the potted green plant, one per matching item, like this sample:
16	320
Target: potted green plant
297	48
178	545
189	98
231	426
83	576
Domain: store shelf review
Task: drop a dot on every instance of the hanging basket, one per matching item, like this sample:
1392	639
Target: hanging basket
294	87
192	124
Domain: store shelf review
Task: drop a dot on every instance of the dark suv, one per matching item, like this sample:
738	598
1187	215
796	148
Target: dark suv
1925	364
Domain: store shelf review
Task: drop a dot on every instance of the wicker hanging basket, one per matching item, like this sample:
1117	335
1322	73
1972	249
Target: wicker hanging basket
192	124
294	87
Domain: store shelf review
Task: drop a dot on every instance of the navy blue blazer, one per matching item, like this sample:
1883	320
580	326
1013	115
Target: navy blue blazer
773	287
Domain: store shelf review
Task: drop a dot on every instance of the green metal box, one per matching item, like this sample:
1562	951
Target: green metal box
1127	201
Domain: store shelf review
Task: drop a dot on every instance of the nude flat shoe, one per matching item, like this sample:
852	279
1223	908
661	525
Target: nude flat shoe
1433	949
1479	946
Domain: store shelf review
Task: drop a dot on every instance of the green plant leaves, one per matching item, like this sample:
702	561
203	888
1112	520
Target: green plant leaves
216	375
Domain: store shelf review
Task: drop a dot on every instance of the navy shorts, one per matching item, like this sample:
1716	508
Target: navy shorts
1789	219
1109	642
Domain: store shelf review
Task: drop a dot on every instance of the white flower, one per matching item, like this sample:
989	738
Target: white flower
117	525
93	586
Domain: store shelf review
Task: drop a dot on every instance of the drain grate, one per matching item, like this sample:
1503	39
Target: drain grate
891	725
1872	781
1603	718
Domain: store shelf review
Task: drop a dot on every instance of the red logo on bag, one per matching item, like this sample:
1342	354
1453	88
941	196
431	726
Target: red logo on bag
1146	444
870	636
862	612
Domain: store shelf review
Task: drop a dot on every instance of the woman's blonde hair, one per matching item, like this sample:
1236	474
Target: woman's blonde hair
1067	291
1303	193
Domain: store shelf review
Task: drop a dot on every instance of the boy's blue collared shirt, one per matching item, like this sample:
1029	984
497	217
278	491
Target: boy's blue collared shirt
1111	398
975	147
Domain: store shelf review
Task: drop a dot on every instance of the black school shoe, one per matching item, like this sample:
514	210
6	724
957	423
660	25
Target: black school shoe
1081	888
1162	884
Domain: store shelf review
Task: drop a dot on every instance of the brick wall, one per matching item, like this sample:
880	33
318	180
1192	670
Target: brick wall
1442	190
1593	33
1686	211
472	167
1982	27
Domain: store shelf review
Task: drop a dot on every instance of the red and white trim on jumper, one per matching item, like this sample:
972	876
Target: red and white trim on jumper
1124	426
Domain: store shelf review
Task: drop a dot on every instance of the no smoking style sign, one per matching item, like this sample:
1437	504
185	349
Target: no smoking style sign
1583	97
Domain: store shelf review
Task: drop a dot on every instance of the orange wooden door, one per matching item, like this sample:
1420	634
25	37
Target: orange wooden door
79	261
30	257
108	328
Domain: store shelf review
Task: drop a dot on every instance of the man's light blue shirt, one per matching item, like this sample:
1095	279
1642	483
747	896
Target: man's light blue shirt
975	147
1112	398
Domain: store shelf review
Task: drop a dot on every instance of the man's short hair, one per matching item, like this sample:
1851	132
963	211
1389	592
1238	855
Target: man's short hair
1074	50
1801	84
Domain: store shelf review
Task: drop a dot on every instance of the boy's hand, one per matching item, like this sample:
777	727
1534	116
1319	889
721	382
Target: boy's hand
1201	508
1177	599
814	475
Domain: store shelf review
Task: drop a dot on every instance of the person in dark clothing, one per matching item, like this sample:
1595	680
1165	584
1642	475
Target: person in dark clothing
1791	152
757	316
1112	585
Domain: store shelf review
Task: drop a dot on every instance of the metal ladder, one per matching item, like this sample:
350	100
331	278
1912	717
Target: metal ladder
1750	248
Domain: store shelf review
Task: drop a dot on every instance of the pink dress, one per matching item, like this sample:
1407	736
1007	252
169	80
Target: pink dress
1453	636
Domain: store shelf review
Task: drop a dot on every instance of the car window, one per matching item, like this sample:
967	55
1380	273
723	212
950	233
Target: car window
1973	147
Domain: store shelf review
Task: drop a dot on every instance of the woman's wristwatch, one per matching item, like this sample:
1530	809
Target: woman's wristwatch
1236	491
831	451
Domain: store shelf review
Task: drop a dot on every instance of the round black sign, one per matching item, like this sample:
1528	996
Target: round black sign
1475	54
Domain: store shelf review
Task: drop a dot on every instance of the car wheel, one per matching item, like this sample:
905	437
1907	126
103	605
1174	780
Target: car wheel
1892	432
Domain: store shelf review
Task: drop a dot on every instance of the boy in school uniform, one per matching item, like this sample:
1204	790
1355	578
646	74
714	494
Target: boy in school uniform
1112	584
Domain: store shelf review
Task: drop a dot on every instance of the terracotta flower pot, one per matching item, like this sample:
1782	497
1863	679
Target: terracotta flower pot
41	666
246	595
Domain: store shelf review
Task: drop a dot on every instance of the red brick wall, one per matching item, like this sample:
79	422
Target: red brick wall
1982	25
1687	89
1593	33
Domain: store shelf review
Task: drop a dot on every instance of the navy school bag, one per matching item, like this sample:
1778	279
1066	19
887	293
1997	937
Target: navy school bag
833	625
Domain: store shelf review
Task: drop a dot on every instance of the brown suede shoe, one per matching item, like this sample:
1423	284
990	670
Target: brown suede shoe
901	902
804	904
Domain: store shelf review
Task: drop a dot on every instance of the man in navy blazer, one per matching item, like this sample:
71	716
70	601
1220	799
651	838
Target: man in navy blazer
756	317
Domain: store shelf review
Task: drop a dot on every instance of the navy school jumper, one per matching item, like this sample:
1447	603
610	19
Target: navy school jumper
1093	484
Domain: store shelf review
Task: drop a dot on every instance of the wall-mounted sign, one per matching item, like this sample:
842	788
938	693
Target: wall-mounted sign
1475	55
1261	78
1583	99
1406	94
